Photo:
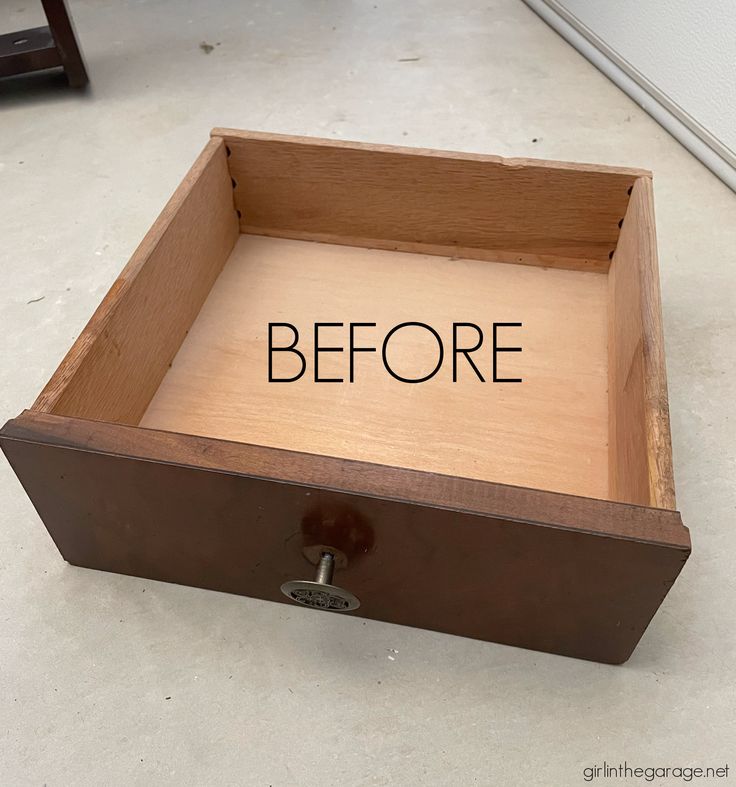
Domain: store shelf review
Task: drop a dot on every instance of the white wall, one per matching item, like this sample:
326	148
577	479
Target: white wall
684	49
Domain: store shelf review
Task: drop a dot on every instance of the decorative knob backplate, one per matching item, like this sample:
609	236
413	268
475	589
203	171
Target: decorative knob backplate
320	593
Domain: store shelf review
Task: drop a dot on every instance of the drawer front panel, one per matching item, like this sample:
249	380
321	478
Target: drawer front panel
544	587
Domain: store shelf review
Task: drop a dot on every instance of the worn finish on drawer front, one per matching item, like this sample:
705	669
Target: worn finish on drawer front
114	501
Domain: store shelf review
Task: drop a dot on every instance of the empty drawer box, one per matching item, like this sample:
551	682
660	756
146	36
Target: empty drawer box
203	431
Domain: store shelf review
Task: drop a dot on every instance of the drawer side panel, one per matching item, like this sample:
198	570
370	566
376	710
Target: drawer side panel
119	359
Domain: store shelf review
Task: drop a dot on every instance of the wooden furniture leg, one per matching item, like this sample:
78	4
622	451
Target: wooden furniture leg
49	46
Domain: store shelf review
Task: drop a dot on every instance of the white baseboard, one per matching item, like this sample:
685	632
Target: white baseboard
684	128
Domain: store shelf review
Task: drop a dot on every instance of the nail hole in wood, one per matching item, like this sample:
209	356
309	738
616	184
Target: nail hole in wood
235	185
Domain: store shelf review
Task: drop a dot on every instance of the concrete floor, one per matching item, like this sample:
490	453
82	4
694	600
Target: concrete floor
111	680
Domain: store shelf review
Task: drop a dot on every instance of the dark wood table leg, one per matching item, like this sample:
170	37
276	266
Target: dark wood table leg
62	29
45	47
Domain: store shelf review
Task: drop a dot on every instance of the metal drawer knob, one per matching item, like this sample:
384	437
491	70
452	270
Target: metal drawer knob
321	593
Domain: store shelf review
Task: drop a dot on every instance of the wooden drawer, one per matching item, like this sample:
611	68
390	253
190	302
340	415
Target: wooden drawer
538	513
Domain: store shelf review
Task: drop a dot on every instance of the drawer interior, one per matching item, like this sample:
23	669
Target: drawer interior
549	431
263	232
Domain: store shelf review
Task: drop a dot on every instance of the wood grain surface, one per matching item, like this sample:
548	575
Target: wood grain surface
640	466
118	361
549	432
536	212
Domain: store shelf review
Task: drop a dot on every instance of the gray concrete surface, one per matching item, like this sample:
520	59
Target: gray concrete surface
118	681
